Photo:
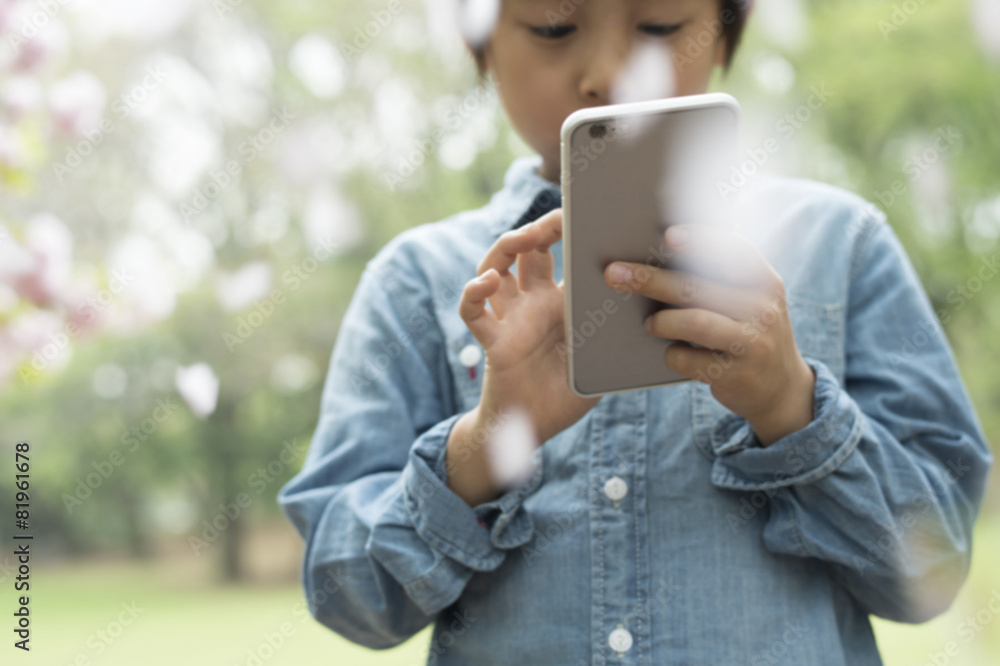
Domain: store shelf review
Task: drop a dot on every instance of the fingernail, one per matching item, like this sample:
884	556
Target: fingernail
620	273
677	236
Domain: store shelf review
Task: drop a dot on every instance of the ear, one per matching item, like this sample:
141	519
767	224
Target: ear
487	52
488	72
720	51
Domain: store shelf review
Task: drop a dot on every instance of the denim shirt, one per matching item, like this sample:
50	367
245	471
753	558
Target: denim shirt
657	529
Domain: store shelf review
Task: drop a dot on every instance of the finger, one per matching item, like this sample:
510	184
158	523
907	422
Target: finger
500	257
685	289
506	248
701	364
482	323
703	327
535	266
504	251
719	253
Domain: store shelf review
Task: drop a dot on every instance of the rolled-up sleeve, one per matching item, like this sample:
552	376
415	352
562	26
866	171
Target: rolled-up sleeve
884	484
387	544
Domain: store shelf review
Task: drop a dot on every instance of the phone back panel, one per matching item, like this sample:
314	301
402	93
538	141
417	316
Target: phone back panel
621	189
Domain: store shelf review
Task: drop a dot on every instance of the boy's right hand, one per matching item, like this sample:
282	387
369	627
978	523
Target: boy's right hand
523	365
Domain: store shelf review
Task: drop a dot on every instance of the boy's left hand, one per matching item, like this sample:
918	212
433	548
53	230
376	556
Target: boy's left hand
751	362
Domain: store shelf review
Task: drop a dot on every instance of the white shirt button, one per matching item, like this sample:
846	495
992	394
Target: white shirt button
615	488
470	355
620	639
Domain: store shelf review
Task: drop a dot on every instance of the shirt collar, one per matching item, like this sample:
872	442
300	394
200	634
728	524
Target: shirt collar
525	196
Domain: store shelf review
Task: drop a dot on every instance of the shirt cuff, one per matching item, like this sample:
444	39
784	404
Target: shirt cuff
478	537
804	456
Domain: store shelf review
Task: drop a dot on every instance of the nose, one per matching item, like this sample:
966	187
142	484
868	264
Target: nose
607	59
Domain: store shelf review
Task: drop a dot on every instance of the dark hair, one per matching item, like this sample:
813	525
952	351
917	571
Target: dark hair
732	15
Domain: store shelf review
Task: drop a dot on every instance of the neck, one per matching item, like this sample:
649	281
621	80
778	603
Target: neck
548	172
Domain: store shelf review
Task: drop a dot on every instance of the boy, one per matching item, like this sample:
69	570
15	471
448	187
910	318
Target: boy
821	476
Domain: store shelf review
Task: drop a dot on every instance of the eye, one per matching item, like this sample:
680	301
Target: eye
552	31
660	29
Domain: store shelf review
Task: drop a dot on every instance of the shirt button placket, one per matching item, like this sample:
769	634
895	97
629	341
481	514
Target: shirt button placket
620	640
615	489
617	451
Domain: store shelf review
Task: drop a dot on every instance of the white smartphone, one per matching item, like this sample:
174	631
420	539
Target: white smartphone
628	172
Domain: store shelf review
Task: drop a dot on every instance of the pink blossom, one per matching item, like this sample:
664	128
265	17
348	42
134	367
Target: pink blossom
50	245
77	103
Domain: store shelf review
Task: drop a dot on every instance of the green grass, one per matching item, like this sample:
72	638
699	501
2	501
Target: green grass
186	620
183	621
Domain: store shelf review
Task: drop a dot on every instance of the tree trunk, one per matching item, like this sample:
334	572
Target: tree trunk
225	462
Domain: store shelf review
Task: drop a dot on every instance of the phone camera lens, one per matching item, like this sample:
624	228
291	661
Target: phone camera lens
598	130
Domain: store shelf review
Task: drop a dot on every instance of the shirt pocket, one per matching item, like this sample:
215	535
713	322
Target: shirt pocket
819	334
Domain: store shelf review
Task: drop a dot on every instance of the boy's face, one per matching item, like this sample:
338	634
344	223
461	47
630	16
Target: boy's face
552	57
